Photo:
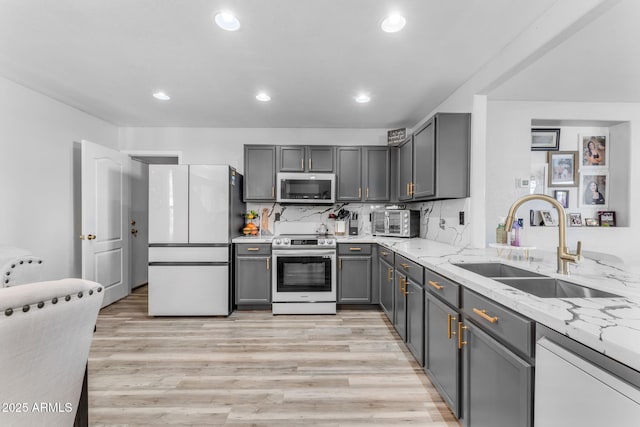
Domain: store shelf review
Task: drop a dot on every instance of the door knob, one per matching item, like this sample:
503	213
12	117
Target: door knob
91	237
134	232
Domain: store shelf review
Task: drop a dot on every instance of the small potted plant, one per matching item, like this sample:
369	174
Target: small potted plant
251	215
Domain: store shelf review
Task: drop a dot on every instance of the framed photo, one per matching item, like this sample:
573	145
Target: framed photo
574	219
594	189
563	168
591	222
545	139
607	218
594	150
562	196
547	219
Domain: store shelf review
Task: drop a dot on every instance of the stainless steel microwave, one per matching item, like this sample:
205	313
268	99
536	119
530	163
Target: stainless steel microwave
396	223
306	188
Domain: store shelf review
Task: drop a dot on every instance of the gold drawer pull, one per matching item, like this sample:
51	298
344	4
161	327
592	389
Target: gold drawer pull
405	266
483	313
460	329
253	249
383	253
450	332
435	285
355	249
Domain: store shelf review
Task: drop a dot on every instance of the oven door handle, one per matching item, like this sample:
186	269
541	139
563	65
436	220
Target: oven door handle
303	252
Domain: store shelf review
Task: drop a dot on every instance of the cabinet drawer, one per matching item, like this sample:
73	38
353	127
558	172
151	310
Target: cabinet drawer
354	249
386	254
257	249
443	288
410	268
515	330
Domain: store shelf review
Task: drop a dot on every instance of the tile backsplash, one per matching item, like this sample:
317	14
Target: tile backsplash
439	220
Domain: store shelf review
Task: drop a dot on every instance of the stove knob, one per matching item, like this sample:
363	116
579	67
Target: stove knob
322	241
286	241
277	241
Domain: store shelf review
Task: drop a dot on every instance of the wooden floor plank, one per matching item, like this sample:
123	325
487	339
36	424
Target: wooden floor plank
255	369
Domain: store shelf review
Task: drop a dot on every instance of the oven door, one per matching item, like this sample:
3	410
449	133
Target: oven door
304	275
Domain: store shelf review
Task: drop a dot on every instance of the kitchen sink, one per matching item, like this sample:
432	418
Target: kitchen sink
496	269
547	287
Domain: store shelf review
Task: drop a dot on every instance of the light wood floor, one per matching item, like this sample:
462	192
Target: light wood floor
255	369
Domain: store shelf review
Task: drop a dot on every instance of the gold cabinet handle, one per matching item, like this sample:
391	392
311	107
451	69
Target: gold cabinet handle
253	249
383	253
450	331
403	285
460	341
366	193
483	313
91	237
355	249
435	285
408	189
302	164
309	163
273	191
389	274
268	263
405	266
359	192
413	188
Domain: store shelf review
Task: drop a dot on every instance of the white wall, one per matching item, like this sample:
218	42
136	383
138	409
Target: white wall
509	157
37	176
224	146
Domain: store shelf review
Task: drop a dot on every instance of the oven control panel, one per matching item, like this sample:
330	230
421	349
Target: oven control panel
307	243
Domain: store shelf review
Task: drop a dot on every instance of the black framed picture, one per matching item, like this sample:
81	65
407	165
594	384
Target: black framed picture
547	139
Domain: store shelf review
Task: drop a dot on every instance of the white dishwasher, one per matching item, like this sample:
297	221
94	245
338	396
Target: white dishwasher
571	391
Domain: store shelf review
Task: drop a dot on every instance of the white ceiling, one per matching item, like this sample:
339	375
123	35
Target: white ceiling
107	57
599	63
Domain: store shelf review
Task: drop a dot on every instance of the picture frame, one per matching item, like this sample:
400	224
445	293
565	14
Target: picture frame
607	218
594	151
594	189
562	196
563	168
545	139
547	219
591	222
574	219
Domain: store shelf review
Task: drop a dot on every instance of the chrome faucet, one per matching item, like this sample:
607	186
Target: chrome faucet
564	256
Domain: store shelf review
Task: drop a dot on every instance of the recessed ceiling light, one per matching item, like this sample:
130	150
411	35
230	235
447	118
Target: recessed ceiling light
362	98
161	96
263	97
393	23
227	21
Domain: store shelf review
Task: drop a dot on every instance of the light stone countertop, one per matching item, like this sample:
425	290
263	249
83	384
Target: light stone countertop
608	325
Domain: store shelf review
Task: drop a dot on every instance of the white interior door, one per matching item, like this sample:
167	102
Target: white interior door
105	219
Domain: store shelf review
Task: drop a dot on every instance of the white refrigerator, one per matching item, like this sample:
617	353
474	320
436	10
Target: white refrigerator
194	212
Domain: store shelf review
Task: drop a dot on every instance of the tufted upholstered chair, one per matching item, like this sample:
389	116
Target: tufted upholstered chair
19	266
45	335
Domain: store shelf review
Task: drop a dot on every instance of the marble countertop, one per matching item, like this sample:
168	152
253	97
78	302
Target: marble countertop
608	325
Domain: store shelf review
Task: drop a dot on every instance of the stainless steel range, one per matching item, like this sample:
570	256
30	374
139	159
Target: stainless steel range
304	274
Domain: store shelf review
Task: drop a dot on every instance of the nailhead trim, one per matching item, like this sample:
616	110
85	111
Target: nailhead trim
54	300
67	298
8	312
79	294
25	308
40	304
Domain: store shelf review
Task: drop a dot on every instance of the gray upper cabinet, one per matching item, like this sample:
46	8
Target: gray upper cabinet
424	161
405	169
376	176
299	158
349	171
434	163
363	174
259	173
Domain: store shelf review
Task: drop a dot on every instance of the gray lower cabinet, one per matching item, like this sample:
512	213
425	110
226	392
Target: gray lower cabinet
354	279
252	274
442	356
415	320
385	278
498	384
400	304
259	173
